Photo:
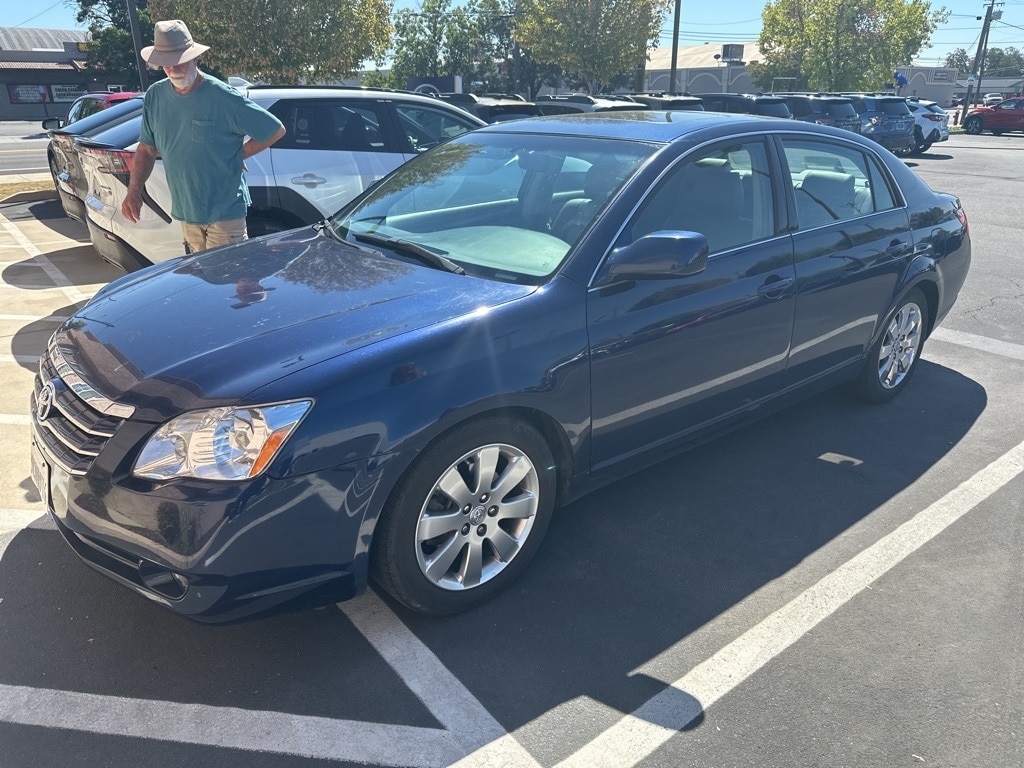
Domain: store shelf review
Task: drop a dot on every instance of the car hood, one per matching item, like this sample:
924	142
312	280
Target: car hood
209	329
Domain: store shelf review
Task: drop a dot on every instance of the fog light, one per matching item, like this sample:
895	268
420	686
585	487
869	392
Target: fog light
163	581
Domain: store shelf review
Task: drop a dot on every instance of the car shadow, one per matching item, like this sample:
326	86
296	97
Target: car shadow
48	212
623	575
30	340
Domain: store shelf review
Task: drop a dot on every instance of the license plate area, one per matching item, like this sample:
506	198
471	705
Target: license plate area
41	475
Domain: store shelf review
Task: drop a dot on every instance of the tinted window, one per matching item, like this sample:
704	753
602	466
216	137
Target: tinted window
840	109
832	183
331	125
121	135
723	193
773	109
894	107
426	126
799	107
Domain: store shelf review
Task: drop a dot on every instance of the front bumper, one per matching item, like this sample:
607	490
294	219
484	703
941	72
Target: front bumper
215	552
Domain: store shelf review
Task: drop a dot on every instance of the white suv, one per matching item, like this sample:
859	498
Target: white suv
931	124
338	142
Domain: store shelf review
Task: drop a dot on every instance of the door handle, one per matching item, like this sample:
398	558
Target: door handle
897	249
775	288
309	180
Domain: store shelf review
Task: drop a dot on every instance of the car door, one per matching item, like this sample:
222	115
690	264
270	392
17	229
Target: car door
851	242
332	150
1007	116
669	356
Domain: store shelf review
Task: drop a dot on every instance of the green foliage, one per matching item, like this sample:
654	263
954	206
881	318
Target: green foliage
959	60
595	42
841	45
1004	62
284	41
111	50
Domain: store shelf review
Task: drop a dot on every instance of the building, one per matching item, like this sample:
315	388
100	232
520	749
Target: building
42	71
708	68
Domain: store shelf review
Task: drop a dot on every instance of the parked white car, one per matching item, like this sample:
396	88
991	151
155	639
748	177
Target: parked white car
931	124
338	142
991	99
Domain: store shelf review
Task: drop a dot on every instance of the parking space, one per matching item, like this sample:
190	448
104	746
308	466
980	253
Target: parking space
835	585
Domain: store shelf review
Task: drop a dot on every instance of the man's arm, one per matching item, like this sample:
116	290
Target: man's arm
252	147
142	167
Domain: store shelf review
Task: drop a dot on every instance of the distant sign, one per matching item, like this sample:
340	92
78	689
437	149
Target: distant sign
972	79
27	94
940	75
66	92
732	52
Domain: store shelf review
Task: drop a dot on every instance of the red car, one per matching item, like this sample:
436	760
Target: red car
1005	116
87	104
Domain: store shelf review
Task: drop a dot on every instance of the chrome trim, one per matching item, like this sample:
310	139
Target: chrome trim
70	446
74	419
52	459
74	380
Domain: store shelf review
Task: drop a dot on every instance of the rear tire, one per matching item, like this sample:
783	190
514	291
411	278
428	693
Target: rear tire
467	516
893	358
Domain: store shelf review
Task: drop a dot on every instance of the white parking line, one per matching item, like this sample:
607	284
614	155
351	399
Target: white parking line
16	419
58	277
20	359
638	734
982	343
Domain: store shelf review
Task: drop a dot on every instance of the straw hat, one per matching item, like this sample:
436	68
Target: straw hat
172	45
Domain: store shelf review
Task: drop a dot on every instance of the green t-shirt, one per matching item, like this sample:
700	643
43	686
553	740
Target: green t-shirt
199	136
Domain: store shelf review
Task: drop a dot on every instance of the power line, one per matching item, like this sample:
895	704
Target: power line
26	21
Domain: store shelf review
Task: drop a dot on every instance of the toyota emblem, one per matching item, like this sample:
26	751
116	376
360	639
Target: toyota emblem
44	403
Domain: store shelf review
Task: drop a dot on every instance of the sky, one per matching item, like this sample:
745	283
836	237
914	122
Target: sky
700	21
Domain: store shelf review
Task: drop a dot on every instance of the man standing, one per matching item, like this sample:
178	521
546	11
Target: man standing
197	125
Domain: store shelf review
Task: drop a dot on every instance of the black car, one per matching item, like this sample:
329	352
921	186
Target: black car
670	102
575	103
492	108
836	111
62	154
409	390
745	104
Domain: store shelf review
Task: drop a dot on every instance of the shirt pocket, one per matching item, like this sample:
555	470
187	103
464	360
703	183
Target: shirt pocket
202	131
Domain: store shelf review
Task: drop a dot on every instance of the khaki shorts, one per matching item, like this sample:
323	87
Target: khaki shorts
199	237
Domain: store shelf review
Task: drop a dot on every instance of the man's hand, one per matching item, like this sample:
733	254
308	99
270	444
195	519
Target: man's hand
131	208
250	147
145	157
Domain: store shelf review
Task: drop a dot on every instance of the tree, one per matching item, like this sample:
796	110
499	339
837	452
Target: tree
284	41
1003	62
960	61
111	49
593	41
839	45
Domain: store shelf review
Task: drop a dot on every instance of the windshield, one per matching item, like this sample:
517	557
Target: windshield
503	206
777	108
840	109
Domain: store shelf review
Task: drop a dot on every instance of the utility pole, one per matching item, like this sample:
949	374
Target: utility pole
675	50
979	61
133	22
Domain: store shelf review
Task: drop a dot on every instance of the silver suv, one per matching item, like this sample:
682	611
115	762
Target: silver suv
338	142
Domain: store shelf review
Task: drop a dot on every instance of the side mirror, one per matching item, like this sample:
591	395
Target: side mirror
51	124
661	255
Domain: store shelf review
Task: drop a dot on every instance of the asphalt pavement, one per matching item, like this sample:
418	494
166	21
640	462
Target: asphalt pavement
836	585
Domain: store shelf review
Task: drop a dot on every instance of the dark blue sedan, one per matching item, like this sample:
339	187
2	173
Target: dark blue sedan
408	390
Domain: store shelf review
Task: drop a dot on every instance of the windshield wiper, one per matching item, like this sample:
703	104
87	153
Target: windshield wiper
413	249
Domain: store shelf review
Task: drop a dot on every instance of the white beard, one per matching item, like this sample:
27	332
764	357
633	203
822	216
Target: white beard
185	81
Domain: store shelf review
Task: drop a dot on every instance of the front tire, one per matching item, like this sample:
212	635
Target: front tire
974	125
466	518
893	358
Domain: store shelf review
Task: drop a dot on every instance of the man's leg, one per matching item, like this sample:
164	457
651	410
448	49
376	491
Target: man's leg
225	232
195	237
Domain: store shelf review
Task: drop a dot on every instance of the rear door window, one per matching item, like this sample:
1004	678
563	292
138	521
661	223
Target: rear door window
338	125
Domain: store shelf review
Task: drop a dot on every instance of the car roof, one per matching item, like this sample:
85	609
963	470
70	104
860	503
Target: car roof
650	125
337	92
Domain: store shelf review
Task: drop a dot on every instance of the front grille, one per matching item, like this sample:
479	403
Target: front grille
78	421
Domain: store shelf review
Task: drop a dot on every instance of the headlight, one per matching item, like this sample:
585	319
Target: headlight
221	443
